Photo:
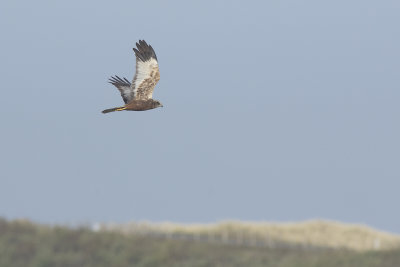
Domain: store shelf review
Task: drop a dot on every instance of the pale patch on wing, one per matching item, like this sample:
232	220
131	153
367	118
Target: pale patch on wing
146	77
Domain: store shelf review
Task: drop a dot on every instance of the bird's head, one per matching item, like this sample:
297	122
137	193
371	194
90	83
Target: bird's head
157	104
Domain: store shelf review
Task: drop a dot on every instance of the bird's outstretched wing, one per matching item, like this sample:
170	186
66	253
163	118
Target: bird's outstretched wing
147	73
124	87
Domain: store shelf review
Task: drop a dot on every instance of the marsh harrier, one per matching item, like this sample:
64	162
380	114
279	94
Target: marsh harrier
138	94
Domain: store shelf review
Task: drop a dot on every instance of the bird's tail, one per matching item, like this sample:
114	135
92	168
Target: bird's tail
113	109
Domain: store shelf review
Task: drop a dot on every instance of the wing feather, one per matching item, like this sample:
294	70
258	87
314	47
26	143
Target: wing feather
124	87
147	72
146	77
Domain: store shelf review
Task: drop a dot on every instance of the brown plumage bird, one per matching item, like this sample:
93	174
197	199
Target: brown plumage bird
138	94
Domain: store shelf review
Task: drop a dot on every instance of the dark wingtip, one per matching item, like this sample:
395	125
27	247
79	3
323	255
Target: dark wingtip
118	81
144	51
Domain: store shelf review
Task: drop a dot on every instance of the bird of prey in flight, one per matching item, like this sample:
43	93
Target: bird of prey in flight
138	94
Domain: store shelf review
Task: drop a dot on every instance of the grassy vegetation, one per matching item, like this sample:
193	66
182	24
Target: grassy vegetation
26	244
309	234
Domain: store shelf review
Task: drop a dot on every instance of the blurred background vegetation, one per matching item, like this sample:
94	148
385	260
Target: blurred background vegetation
23	243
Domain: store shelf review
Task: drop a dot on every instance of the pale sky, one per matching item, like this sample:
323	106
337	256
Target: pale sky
273	111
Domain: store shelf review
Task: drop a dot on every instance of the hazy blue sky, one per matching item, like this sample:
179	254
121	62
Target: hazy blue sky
273	110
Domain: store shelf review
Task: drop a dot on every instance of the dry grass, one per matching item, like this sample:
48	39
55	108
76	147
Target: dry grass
309	234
